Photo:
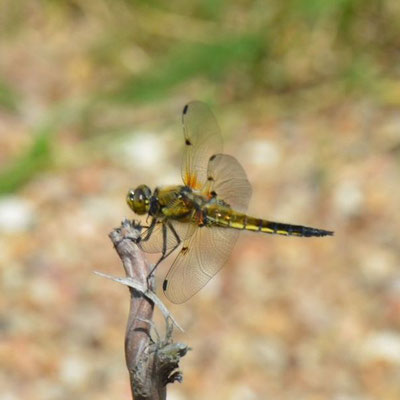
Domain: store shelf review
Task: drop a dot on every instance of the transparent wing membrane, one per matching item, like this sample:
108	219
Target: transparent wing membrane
202	140
227	178
205	253
200	258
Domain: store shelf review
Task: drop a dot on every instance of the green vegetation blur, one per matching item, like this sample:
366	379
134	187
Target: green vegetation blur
115	54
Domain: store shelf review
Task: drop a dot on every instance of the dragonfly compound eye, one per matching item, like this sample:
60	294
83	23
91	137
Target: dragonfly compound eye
139	199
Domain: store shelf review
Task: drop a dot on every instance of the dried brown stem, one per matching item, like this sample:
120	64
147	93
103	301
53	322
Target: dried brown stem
151	365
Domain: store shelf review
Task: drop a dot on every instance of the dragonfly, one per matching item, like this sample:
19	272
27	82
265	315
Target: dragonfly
205	214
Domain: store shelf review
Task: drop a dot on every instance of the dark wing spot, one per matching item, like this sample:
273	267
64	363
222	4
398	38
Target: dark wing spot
210	178
213	193
212	157
185	109
188	142
184	250
165	284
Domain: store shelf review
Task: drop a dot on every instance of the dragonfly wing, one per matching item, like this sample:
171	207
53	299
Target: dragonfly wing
154	244
227	178
200	258
202	140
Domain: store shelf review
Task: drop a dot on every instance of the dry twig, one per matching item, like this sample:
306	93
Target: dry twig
151	365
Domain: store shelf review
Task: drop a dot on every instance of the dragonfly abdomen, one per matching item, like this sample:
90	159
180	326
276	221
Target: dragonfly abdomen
278	228
235	220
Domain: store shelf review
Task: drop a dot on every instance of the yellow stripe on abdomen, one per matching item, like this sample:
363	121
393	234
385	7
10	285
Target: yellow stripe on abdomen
279	228
232	219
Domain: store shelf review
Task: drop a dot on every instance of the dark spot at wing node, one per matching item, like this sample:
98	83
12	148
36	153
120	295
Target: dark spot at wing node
188	142
165	284
184	249
213	193
210	178
212	157
185	108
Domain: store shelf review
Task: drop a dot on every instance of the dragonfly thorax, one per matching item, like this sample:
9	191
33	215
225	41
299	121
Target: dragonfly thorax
139	199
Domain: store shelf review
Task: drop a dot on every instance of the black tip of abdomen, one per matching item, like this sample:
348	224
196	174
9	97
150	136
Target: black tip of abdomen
313	232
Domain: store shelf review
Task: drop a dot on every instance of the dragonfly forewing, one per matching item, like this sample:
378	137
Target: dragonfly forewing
200	258
202	140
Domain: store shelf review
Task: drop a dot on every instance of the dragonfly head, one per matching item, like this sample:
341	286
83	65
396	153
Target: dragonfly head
139	199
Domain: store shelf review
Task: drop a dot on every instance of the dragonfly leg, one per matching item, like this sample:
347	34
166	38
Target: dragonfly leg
167	225
149	230
177	238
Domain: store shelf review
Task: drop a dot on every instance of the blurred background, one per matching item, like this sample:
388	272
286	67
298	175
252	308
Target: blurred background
307	94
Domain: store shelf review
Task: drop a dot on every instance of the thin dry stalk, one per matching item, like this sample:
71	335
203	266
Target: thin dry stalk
151	364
